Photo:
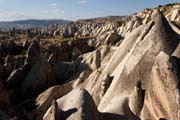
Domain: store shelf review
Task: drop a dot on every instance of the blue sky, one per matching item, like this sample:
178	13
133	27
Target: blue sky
72	9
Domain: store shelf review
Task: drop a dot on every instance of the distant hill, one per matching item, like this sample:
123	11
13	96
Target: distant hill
25	24
103	19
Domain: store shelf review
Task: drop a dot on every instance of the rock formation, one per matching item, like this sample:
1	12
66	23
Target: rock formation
114	68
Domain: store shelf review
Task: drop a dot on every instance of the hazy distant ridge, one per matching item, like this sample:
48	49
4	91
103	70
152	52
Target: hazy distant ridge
24	24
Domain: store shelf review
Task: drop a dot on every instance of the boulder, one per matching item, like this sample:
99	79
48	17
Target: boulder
39	78
76	107
44	100
14	82
33	52
62	71
162	98
54	113
112	39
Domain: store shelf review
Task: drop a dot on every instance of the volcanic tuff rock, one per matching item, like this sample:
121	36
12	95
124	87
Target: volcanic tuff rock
136	63
112	85
127	68
79	107
162	98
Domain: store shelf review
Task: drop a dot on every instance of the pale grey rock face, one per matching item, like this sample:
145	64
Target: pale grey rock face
111	83
78	106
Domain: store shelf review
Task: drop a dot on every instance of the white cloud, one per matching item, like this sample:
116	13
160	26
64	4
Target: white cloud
83	1
51	14
7	15
10	15
53	4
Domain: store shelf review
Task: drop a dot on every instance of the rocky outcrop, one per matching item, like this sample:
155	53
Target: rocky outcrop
33	52
136	99
62	71
38	79
97	58
127	68
16	78
112	39
133	57
55	113
76	107
162	93
44	100
33	77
